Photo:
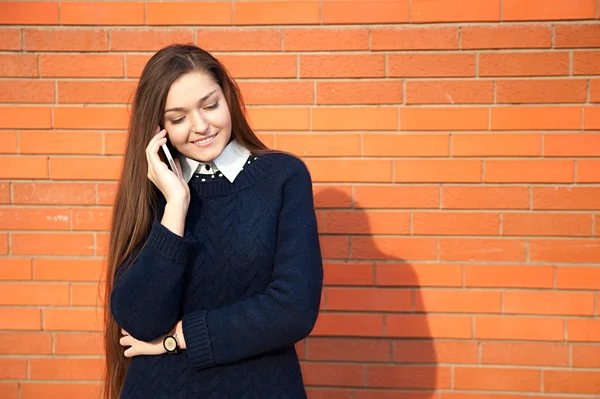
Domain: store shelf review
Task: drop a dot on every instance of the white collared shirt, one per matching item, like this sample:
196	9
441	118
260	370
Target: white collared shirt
230	163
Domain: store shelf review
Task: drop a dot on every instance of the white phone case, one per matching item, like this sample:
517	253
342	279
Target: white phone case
171	161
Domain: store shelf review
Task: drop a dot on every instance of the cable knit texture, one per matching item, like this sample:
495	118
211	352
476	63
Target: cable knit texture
246	280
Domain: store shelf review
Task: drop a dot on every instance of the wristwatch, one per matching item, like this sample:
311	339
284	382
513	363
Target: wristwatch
171	344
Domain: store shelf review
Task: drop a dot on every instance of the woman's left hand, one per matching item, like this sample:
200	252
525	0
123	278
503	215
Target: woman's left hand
137	348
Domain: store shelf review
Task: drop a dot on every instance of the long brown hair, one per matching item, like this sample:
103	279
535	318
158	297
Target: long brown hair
136	200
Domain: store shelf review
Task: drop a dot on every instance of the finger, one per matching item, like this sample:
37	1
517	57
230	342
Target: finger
124	332
129	353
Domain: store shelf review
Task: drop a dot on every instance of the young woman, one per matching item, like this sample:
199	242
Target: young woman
215	271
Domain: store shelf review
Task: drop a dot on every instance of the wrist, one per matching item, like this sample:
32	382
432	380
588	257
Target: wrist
178	331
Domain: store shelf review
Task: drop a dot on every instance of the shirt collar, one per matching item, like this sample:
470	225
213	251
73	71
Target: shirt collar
230	162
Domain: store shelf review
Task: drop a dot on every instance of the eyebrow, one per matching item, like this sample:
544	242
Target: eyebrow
199	102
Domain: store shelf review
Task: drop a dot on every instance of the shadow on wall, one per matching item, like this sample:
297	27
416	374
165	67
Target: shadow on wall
372	338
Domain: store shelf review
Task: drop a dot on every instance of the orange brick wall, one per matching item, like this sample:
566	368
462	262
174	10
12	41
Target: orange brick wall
455	149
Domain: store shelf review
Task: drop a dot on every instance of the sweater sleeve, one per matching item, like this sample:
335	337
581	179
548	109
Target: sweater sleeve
145	300
287	311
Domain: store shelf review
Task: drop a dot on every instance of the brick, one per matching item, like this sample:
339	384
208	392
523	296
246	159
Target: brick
359	92
509	276
585	356
79	344
56	142
354	118
134	65
280	93
35	218
572	381
26	91
329	393
114	143
88	295
595	90
429	326
458	301
437	223
102	240
455	11
528	171
496	145
431	65
583	330
541	91
415	38
260	66
137	39
29	13
80	65
10	39
85	168
465	395
65	369
92	219
359	170
448	171
506	36
96	92
525	354
577	36
15	269
273	119
106	193
549	303
326	39
335	247
524	10
348	325
5	187
574	278
25	343
586	62
519	328
320	144
184	13
333	374
444	118
488	197
472	378
591	118
546	224
387	376
73	319
73	270
564	251
286	13
239	39
438	351
369	299
342	66
34	294
52	244
381	394
4	244
449	92
59	390
102	13
393	248
418	275
347	273
365	12
332	196
65	39
524	64
23	167
23	117
349	349
534	118
406	145
13	369
19	65
41	193
480	249
91	117
567	198
396	197
352	222
20	319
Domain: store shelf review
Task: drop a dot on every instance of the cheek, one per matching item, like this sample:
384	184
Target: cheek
178	134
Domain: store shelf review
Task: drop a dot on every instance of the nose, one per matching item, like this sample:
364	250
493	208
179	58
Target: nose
200	125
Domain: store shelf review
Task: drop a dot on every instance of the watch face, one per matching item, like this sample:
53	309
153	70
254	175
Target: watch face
170	344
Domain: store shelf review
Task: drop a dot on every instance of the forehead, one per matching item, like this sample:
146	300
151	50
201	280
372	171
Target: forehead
189	88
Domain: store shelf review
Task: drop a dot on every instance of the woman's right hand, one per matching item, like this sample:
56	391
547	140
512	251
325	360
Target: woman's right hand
174	189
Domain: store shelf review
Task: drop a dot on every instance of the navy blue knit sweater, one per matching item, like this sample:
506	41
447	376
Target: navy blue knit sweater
245	279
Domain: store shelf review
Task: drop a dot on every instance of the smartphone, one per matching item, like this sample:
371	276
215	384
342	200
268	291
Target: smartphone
170	159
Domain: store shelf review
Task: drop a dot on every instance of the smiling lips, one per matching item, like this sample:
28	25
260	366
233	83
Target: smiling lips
205	142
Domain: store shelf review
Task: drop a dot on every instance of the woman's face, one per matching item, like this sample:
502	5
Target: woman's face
197	117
